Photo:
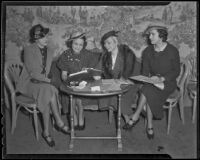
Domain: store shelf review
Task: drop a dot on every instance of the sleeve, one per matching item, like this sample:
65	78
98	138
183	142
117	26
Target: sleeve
129	65
145	63
30	62
92	60
62	63
175	66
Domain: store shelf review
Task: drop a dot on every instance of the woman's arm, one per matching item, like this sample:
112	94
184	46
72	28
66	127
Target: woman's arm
175	66
145	64
32	66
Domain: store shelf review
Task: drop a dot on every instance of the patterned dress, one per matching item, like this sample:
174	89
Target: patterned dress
70	62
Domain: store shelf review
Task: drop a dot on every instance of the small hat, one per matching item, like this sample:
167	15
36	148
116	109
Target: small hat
38	31
76	35
109	34
151	27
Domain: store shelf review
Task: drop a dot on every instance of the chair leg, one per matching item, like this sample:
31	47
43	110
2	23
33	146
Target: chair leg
194	109
169	119
36	124
181	107
14	116
110	115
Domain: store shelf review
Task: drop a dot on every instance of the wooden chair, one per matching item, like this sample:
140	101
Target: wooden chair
13	75
191	82
177	96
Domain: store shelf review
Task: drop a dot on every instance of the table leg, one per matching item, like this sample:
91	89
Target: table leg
71	145
118	124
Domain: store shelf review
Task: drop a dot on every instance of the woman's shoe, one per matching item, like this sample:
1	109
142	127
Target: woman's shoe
129	126
63	129
82	127
150	135
49	140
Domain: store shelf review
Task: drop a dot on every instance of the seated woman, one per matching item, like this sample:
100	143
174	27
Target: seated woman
118	62
161	61
37	60
72	60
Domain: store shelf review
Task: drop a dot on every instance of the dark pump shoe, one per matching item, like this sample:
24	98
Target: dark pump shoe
128	126
150	136
49	140
62	129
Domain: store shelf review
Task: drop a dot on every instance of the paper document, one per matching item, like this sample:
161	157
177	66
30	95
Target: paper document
142	78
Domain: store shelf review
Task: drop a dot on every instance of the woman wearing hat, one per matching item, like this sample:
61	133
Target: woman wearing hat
161	61
118	62
37	60
72	60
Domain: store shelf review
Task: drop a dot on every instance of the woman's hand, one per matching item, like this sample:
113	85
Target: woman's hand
97	77
157	78
64	75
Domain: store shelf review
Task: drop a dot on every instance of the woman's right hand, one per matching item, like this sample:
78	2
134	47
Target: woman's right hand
64	75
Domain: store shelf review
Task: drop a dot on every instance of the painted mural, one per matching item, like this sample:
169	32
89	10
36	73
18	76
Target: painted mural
131	21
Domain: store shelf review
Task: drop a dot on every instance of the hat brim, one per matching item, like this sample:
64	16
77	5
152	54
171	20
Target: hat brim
150	28
76	37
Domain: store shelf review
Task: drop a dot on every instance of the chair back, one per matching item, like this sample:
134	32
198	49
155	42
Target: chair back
12	72
181	79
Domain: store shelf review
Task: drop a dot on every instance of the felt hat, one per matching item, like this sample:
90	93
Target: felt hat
152	27
109	34
38	31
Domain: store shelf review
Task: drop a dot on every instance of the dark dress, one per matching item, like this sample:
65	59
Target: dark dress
124	68
165	63
70	62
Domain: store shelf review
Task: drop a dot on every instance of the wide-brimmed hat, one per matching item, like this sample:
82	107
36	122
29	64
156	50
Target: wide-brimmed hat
109	34
152	27
38	31
76	35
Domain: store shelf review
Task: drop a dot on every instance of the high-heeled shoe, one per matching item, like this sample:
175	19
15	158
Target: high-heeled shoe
49	140
150	135
82	127
129	126
62	129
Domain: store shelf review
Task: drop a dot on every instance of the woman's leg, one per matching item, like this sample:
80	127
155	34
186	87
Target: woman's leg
149	117
56	113
45	116
80	112
142	102
75	113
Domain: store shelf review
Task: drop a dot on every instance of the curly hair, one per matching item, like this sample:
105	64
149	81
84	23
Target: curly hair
163	34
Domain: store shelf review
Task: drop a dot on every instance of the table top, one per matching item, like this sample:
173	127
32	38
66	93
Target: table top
107	88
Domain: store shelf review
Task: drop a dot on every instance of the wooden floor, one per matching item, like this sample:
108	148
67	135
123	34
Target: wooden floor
180	143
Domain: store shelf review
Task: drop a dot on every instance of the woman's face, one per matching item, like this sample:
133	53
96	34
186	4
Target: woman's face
77	45
110	44
154	37
43	41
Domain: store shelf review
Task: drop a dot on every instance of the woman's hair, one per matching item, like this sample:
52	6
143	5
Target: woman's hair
69	43
162	33
114	38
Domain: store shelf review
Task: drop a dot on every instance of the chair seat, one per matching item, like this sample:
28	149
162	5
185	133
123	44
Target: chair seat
23	99
192	86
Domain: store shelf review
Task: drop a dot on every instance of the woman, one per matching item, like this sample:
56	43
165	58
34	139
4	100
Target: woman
118	62
37	60
72	60
161	62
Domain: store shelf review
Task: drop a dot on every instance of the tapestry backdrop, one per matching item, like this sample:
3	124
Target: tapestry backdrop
131	21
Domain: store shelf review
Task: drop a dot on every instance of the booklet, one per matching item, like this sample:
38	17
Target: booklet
146	79
84	75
